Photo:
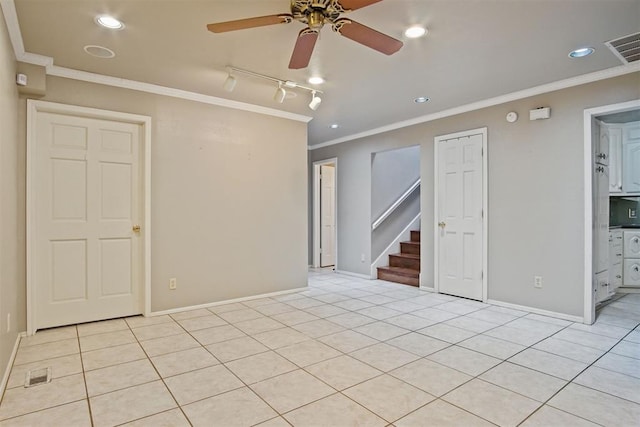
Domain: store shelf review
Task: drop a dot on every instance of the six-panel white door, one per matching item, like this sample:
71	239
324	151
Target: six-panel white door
87	198
459	216
327	215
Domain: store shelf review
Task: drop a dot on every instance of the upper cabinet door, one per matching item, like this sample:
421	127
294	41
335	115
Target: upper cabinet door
614	136
631	166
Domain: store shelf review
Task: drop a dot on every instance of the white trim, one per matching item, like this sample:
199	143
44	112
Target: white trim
589	311
13	27
316	210
229	301
534	310
69	73
15	35
33	108
395	205
490	102
394	246
485	206
12	358
349	273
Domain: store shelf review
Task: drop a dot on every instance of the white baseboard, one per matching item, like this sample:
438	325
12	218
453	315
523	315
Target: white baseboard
229	301
7	371
539	311
394	247
427	289
358	275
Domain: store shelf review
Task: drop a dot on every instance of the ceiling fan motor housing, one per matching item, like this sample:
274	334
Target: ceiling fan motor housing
316	13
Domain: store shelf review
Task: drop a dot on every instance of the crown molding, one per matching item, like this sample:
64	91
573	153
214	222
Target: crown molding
514	96
15	35
69	73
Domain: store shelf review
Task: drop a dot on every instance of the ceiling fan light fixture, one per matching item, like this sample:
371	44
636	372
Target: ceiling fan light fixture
230	83
415	32
109	22
315	101
280	94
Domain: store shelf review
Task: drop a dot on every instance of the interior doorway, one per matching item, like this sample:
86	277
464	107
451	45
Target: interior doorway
460	214
88	210
595	227
325	198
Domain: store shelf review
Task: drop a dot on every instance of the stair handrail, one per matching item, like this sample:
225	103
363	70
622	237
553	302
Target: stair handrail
395	205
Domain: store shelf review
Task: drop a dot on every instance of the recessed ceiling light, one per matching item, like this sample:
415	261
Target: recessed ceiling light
579	53
99	51
421	100
415	31
334	126
317	80
109	22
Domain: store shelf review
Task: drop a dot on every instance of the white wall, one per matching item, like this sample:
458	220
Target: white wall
11	276
535	192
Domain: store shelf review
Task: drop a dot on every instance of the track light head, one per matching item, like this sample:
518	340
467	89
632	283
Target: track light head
280	94
230	83
315	101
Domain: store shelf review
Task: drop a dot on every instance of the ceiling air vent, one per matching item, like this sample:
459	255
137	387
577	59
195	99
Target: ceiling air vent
626	48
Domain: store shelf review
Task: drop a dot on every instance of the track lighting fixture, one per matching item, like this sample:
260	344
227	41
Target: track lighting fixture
315	101
230	83
280	94
281	91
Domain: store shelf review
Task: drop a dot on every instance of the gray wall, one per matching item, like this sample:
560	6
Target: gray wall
11	240
392	173
535	195
228	195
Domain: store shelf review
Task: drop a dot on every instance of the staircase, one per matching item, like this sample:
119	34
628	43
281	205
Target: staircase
404	267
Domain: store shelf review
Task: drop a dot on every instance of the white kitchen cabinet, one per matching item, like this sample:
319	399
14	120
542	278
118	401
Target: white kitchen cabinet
615	259
614	136
631	253
631	167
602	286
631	272
632	243
619	149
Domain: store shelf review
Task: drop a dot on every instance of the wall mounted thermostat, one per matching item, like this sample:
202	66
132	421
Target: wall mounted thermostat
540	113
512	116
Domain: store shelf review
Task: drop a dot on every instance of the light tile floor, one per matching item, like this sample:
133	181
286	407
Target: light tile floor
342	352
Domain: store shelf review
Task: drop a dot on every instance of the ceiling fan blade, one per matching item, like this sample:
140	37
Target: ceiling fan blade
304	48
356	4
241	24
367	36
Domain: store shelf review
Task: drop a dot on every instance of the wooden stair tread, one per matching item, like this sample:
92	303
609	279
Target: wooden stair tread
409	272
406	255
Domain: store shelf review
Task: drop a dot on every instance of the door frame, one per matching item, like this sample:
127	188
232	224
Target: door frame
35	107
316	210
485	206
589	313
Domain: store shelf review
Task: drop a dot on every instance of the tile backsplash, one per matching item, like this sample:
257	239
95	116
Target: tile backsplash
624	210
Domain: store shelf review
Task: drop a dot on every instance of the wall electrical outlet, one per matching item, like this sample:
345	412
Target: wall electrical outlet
173	283
362	258
537	282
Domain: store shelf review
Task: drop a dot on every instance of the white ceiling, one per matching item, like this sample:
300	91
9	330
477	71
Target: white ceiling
475	50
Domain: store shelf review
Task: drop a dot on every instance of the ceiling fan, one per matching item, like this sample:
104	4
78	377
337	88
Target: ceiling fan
315	14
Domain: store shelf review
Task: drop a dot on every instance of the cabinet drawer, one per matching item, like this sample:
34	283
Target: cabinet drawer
615	276
631	274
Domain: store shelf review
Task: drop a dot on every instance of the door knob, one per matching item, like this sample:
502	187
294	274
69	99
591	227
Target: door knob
136	228
442	224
